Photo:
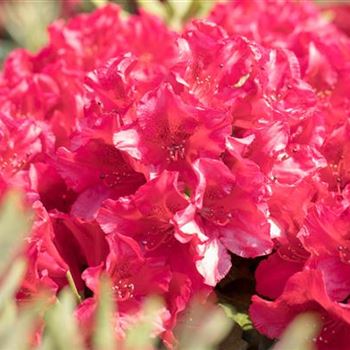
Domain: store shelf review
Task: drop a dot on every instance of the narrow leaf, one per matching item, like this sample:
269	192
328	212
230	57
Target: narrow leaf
104	337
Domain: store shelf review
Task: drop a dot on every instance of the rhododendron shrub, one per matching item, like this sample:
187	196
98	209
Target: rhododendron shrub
159	158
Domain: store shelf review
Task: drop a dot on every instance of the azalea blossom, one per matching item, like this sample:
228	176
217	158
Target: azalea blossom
158	158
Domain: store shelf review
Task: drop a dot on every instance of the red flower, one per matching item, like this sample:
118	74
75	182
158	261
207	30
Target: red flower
168	132
303	292
223	216
152	156
96	171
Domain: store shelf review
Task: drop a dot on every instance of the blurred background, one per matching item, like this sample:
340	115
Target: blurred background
23	23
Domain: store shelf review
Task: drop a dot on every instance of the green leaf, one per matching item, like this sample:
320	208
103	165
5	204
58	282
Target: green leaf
184	10
241	318
203	328
27	21
19	335
155	7
104	336
8	316
300	334
180	7
139	336
99	3
202	7
11	282
14	225
61	318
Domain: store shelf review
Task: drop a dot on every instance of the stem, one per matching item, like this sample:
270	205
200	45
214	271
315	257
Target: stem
73	286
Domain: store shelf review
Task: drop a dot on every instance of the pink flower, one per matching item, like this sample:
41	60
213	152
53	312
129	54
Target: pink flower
151	157
22	142
148	218
303	292
223	216
134	278
96	171
46	268
309	273
168	132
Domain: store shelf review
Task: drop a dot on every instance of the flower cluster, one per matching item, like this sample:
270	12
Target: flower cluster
151	156
310	267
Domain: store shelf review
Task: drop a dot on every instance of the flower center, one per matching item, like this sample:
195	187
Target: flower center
219	215
344	254
156	237
14	162
123	290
